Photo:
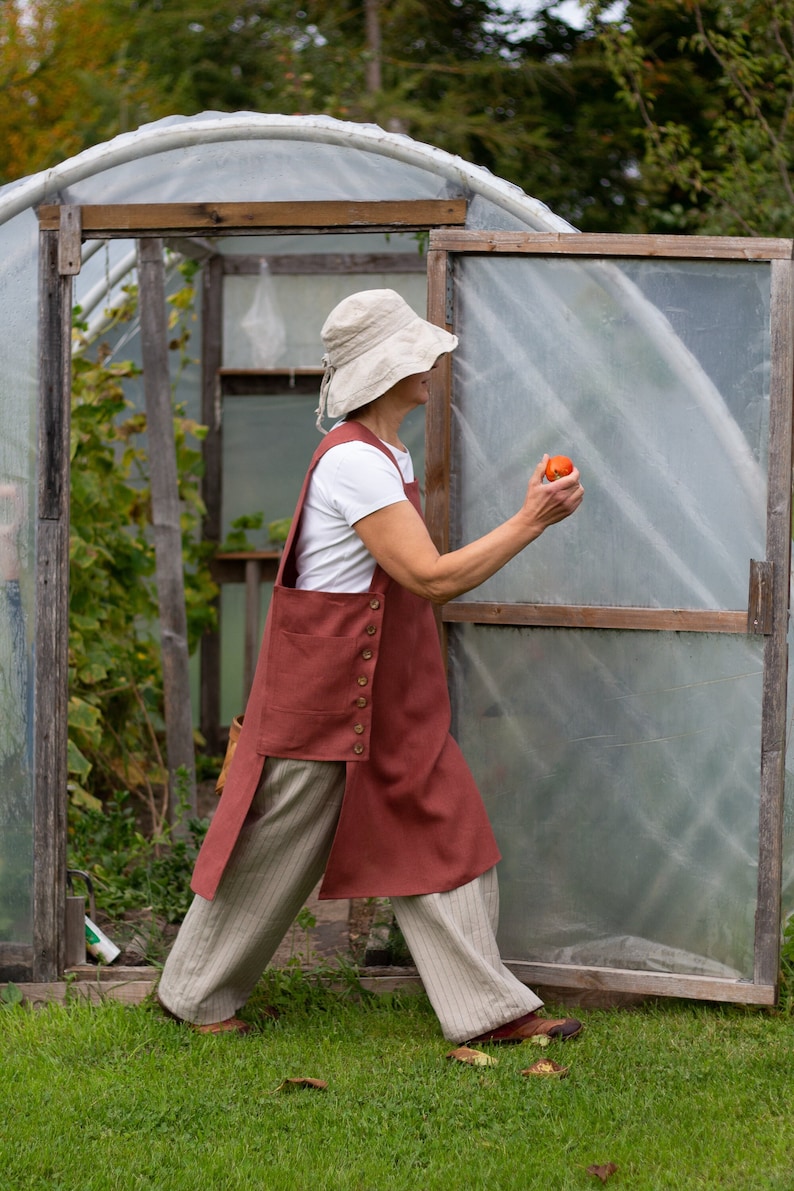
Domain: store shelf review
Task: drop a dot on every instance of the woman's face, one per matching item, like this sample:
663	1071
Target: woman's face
412	390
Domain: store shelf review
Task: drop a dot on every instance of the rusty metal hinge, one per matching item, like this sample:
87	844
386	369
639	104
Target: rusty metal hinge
759	602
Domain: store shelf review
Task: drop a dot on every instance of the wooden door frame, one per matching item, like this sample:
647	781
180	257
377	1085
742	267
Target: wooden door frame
767	611
62	230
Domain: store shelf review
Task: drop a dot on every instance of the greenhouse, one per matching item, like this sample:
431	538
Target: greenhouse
620	688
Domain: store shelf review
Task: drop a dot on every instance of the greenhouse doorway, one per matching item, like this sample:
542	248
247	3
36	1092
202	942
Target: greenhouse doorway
192	229
621	697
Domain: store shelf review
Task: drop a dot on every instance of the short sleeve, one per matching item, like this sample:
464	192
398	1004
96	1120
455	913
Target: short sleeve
357	479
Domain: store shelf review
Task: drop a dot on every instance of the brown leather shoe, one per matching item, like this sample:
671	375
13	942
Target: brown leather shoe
530	1026
232	1025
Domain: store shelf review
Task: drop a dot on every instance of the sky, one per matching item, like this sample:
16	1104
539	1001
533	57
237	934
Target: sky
570	11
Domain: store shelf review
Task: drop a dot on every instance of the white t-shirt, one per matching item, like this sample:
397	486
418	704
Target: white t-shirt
351	481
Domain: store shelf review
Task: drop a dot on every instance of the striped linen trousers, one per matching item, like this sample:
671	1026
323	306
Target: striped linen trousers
224	945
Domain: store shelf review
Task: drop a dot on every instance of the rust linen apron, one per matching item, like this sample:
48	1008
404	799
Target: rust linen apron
359	677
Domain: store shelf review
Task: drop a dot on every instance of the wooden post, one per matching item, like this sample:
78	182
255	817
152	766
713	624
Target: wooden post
211	359
52	612
167	528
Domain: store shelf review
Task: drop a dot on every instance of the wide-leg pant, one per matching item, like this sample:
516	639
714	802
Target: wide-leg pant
224	945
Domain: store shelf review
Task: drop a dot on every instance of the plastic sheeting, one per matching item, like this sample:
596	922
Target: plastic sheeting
621	769
233	157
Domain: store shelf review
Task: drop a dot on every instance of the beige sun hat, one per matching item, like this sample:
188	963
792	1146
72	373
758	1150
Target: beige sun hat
372	339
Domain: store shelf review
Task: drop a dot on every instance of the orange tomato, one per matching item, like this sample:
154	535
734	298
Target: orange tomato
558	466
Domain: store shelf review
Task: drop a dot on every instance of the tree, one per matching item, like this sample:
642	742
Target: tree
541	110
724	156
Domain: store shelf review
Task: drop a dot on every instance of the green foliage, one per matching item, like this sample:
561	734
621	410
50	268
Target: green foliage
713	84
538	109
10	997
130	870
237	537
278	531
115	678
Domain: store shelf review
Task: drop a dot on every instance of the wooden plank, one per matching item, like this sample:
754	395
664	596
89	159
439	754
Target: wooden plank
130	992
438	412
69	240
51	690
600	244
312	263
252	382
657	984
778	546
142	219
212	448
438	420
671	620
166	522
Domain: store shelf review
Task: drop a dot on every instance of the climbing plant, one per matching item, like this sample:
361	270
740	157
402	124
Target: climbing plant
116	725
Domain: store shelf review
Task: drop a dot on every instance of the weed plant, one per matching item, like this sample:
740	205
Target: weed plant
109	1098
131	870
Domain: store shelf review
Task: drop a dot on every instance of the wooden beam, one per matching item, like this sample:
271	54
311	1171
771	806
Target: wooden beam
212	448
312	263
255	382
51	689
124	220
778	546
166	520
606	244
69	241
671	620
438	412
52	604
656	984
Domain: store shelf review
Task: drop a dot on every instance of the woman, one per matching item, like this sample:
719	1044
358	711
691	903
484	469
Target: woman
345	765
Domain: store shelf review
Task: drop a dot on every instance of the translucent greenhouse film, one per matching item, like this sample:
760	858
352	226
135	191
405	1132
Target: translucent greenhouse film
621	768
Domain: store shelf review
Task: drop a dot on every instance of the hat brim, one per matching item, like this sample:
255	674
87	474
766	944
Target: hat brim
413	348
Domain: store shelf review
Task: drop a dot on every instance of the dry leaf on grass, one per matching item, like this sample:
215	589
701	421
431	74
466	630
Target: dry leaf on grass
546	1067
289	1085
475	1058
539	1040
602	1172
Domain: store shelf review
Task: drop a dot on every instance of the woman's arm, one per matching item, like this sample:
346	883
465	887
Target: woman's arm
397	538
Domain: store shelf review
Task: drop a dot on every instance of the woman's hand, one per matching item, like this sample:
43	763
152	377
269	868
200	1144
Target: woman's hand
547	503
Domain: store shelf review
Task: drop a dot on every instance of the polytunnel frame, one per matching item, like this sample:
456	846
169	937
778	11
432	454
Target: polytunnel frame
55	354
62	230
767	612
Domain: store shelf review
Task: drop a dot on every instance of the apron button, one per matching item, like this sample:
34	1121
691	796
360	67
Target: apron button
374	605
362	680
358	729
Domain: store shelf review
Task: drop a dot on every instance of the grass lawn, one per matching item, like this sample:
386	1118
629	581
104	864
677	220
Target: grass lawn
112	1098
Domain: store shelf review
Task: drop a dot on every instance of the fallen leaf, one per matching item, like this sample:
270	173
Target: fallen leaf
289	1085
546	1067
539	1040
602	1172
475	1058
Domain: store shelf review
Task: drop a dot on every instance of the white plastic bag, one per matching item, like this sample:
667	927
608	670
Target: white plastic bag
262	325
